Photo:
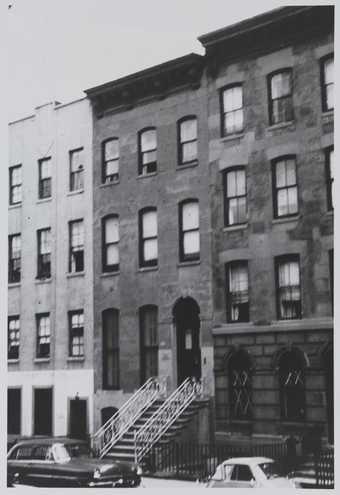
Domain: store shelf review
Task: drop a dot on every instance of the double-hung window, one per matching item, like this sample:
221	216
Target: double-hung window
235	196
187	134
14	258
110	160
110	239
76	333
189	233
232	109
327	83
329	160
110	349
147	151
45	178
76	255
44	253
288	287
280	88
15	185
285	187
76	170
43	335
13	337
237	292
148	317
148	237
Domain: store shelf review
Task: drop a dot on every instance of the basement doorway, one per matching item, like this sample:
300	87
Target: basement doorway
78	418
14	411
186	318
43	411
329	379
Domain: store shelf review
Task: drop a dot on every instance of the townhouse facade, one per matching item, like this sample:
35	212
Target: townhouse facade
207	221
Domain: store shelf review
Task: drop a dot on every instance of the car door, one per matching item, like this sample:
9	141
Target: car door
39	467
241	477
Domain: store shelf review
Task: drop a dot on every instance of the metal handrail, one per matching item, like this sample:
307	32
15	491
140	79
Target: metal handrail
166	415
113	430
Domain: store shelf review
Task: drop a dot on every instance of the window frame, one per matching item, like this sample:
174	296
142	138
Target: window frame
71	331
182	256
152	164
142	262
276	189
147	350
286	70
223	113
230	265
329	178
41	193
39	336
323	84
181	143
40	271
105	266
71	248
13	186
15	318
106	177
114	351
226	199
11	260
76	174
279	260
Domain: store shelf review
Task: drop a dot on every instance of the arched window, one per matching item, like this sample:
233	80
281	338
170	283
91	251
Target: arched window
147	150
110	243
189	233
239	374
110	318
110	160
187	140
292	386
280	89
232	109
148	320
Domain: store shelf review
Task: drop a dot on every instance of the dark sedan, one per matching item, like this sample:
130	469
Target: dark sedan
63	462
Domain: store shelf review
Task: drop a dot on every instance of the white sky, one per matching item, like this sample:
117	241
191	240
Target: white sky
58	48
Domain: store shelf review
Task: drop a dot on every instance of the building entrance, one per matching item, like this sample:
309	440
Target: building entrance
329	378
186	318
78	418
43	411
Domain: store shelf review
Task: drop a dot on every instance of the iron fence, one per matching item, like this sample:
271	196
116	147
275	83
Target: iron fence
324	469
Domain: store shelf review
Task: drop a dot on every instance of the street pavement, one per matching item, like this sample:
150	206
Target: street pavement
166	483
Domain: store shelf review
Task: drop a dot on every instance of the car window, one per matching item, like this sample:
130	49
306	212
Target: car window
40	452
78	450
270	469
242	473
24	452
228	468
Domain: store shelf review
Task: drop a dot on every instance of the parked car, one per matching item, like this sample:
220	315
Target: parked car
249	472
65	462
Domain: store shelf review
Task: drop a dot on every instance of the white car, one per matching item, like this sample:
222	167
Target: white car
249	472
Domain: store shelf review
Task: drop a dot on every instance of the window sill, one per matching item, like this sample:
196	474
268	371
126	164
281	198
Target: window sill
279	220
329	213
232	137
281	125
148	268
152	174
43	280
108	184
14	206
184	166
328	114
110	274
75	274
74	193
188	263
44	200
13	284
75	359
12	361
42	360
240	226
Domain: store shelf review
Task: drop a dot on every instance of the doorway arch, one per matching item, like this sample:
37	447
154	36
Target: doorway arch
186	317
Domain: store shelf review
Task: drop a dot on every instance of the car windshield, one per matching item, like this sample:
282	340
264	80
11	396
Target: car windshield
78	450
270	469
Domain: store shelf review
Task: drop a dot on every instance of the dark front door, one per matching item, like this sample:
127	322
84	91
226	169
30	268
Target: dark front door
329	373
14	411
43	411
78	418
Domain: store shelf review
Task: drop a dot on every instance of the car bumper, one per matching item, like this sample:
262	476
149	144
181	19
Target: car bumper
121	482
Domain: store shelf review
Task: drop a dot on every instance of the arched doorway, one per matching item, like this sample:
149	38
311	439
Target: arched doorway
186	318
329	381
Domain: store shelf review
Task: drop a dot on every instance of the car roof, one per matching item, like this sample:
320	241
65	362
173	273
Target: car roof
49	441
248	460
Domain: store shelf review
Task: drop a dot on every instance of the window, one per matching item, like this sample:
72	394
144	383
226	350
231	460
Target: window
329	159
111	349
14	258
76	259
15	183
148	242
45	179
232	109
292	386
76	335
44	253
285	191
148	318
147	151
189	235
241	472
331	275
235	197
110	252
288	287
280	97
110	160
239	371
76	170
327	82
13	337
187	133
237	292
43	335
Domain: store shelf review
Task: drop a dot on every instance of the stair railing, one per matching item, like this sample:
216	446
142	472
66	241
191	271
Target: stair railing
113	430
166	415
